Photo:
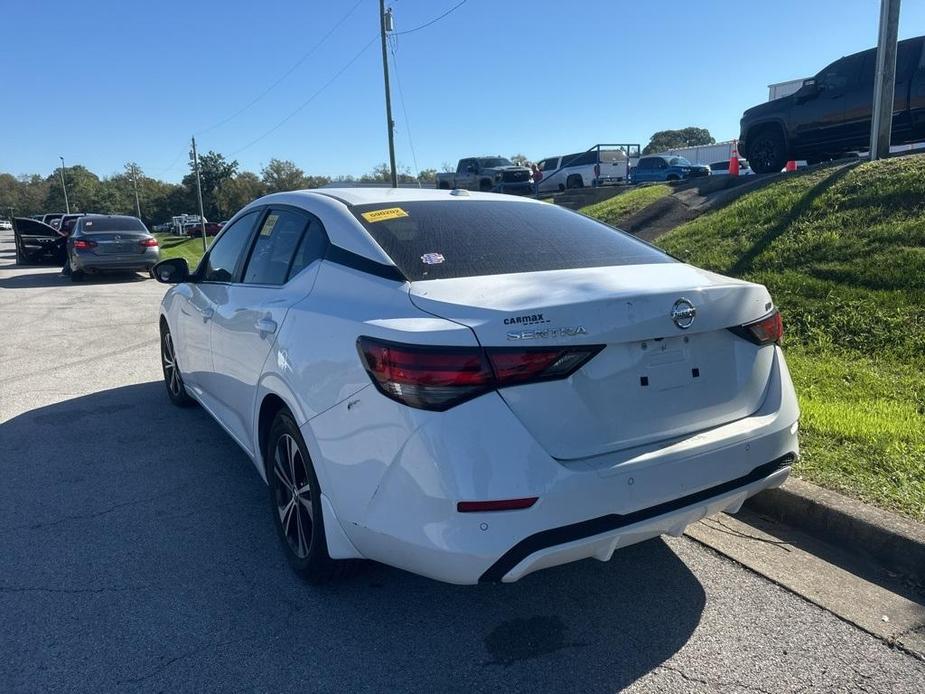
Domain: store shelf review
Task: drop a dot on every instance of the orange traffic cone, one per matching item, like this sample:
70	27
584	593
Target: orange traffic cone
734	160
791	166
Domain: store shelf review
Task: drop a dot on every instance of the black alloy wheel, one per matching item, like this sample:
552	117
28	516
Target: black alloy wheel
295	498
173	379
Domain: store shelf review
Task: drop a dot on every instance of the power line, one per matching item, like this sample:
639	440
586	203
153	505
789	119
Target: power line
401	98
309	99
432	21
286	74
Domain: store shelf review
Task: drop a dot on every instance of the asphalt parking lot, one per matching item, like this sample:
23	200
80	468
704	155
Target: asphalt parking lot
137	553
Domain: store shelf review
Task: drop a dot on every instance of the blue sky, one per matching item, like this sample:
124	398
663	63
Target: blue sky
103	82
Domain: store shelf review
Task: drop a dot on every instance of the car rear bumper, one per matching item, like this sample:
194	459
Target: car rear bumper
138	261
418	465
598	538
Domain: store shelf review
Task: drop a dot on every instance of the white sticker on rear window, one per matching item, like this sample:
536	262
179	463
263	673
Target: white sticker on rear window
432	258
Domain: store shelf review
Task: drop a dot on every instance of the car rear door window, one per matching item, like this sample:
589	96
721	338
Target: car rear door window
313	246
226	252
274	247
468	238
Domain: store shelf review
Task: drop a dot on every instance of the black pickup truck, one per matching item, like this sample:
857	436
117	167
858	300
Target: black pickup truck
830	114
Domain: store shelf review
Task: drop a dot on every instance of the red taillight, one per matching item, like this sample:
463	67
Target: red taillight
83	245
763	331
149	243
437	378
501	505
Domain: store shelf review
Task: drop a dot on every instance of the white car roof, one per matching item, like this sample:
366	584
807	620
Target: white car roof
343	229
384	195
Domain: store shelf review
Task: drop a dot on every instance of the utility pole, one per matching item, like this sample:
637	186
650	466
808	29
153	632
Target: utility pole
135	186
67	207
881	124
385	24
202	214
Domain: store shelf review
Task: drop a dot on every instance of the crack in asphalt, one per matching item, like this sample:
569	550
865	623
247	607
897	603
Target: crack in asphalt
736	686
68	591
90	516
723	528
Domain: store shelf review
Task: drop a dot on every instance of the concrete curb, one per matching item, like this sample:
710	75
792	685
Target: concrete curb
895	542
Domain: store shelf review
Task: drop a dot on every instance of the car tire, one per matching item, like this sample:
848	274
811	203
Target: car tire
295	502
767	151
173	379
671	178
77	275
485	186
574	181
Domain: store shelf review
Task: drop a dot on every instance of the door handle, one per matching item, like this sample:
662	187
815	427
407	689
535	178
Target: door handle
266	325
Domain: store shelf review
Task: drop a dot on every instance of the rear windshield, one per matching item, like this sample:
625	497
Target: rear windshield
112	224
468	238
679	161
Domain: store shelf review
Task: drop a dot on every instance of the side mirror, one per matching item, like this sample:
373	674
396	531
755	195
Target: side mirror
809	90
171	271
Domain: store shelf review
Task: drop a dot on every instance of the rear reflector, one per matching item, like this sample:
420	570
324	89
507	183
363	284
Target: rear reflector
437	378
763	331
502	505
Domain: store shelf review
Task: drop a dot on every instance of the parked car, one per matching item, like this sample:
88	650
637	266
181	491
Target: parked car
6	225
583	170
719	168
195	229
831	113
51	217
103	243
473	387
495	174
666	167
36	241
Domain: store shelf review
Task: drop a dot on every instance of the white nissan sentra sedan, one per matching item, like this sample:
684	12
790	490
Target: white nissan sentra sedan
473	386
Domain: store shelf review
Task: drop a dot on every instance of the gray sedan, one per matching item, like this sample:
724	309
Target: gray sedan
110	243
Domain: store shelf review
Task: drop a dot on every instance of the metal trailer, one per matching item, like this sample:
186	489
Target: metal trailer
703	154
611	163
782	89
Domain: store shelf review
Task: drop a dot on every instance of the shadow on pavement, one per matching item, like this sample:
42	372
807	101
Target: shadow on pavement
136	548
53	278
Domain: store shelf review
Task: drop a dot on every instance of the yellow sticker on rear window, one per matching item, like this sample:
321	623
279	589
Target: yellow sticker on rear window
382	215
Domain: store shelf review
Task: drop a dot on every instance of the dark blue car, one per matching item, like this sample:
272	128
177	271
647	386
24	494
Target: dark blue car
667	167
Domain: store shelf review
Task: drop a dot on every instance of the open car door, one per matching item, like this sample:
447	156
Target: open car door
37	241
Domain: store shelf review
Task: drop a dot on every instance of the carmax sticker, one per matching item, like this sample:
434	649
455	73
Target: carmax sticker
382	215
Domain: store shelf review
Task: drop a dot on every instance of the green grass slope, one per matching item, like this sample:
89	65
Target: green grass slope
181	247
842	251
623	205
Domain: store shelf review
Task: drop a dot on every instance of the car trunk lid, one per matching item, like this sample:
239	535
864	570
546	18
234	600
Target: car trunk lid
117	243
653	380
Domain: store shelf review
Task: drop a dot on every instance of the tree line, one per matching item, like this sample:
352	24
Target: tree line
225	188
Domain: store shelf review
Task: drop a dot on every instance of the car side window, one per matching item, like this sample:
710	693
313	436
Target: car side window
227	250
840	75
313	246
275	246
659	163
549	164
